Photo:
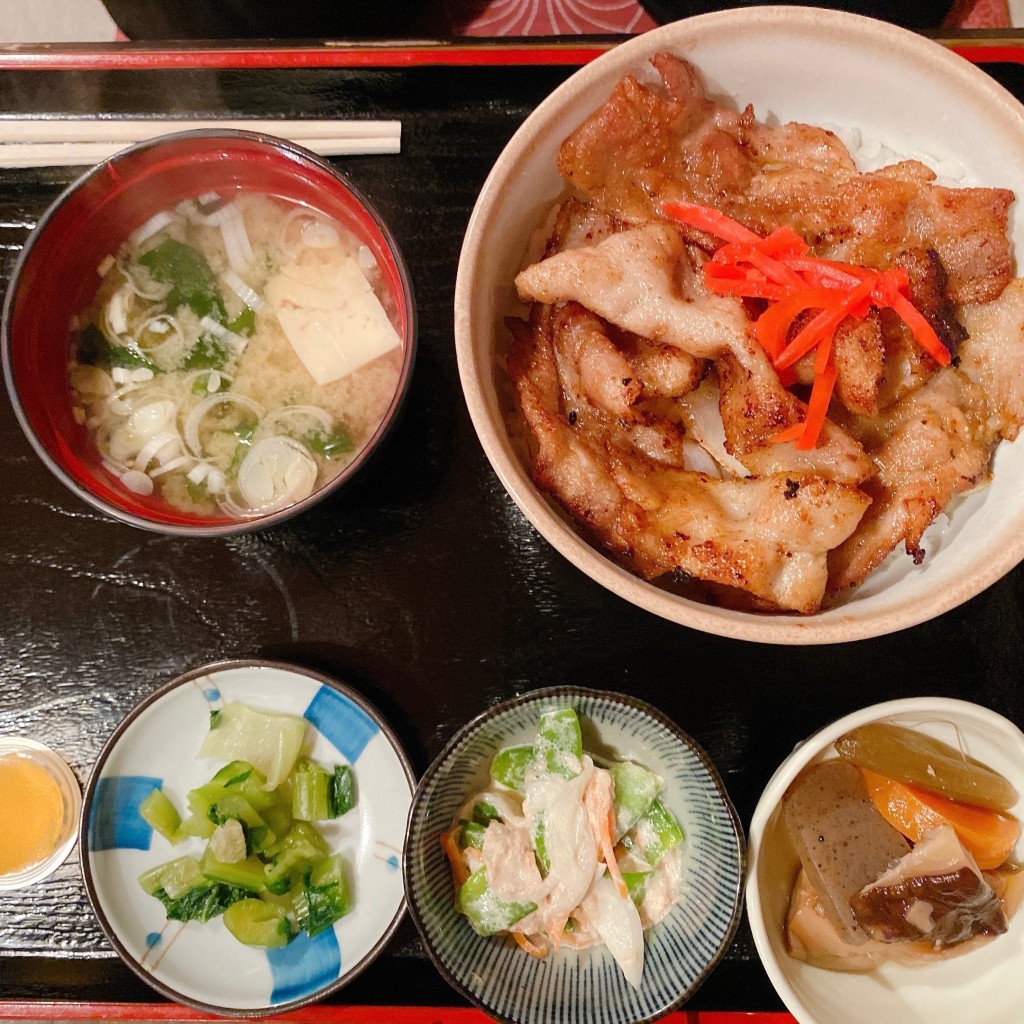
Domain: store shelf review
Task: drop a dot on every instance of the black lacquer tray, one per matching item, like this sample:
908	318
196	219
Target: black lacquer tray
421	585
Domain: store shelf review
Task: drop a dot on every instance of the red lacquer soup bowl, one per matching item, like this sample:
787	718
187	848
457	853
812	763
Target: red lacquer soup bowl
57	276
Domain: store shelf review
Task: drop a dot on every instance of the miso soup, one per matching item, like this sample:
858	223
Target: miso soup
237	355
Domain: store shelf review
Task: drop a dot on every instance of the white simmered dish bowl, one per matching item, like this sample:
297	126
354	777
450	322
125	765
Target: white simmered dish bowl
984	986
584	987
201	964
792	63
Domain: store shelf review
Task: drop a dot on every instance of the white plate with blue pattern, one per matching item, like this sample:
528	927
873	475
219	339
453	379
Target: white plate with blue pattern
581	987
201	964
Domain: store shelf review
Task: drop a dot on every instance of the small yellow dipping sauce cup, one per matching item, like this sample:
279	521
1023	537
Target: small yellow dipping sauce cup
40	803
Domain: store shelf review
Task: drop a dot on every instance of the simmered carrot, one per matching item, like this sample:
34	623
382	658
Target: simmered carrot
988	836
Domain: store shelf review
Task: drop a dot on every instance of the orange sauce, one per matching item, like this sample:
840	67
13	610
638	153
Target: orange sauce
30	813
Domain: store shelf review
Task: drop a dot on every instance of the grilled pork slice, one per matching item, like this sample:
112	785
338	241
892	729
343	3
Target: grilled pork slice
935	443
647	144
993	355
638	280
766	536
632	279
754	407
935	894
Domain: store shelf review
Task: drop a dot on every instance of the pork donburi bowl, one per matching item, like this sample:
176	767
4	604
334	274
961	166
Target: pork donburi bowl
756	341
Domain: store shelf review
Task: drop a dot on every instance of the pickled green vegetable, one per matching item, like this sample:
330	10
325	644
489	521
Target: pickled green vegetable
203	903
913	757
293	856
325	896
198	825
270	742
303	836
175	877
258	834
263	860
342	791
157	811
250	785
311	786
245	874
278	818
257	923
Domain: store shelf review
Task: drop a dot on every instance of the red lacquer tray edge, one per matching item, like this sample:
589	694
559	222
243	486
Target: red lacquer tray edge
994	47
322	1014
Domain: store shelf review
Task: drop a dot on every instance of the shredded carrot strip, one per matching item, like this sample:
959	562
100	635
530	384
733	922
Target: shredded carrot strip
534	950
725	279
817	407
923	331
822	354
789	434
707	218
608	856
450	845
784	241
779	270
828	273
824	324
772	327
821	326
774	269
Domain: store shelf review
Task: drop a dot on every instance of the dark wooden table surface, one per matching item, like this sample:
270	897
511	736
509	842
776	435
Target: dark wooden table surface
421	585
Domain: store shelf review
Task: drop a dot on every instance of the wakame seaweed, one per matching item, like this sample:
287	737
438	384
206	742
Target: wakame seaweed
192	282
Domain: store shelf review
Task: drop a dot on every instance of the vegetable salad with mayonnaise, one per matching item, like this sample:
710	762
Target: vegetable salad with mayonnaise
564	848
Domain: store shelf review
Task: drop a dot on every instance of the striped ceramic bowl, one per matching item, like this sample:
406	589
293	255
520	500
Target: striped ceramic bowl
580	987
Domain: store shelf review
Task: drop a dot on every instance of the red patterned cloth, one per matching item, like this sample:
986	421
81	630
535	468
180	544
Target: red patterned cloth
544	17
979	14
583	17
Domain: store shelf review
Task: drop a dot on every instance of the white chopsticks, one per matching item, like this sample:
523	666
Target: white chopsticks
53	142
